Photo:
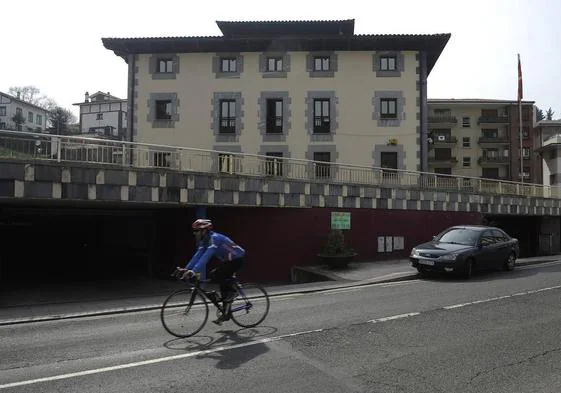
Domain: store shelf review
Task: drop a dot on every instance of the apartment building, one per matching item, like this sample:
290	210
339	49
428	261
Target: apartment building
548	135
103	115
481	138
35	118
298	89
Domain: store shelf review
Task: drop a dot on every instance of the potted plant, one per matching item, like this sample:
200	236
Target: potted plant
392	141
335	253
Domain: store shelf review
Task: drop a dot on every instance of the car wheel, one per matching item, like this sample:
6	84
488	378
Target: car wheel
468	269
510	262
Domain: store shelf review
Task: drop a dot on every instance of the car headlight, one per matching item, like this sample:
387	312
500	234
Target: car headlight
449	257
414	252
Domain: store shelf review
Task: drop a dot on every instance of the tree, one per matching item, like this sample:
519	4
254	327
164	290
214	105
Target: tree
60	119
549	114
539	115
18	119
31	95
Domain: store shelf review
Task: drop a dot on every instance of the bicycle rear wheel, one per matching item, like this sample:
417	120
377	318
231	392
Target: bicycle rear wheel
184	313
251	306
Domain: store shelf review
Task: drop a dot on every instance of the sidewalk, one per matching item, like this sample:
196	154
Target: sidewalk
111	297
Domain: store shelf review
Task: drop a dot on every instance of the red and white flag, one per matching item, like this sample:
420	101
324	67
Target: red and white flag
520	94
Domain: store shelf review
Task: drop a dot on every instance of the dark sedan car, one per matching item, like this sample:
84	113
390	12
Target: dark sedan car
464	249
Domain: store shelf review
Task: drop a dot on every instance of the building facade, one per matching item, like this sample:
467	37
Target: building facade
34	117
481	138
103	115
548	135
308	90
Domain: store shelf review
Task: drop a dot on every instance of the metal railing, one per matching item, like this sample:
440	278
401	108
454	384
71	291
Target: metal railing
27	146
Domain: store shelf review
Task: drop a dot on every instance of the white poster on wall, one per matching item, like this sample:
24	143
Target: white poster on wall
398	243
381	243
389	244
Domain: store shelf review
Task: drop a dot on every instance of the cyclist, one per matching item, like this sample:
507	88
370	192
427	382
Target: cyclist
213	244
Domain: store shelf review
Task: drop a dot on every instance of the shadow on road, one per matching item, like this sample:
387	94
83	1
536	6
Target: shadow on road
233	354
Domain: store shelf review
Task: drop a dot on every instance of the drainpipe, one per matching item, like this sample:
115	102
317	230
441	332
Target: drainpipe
423	110
130	102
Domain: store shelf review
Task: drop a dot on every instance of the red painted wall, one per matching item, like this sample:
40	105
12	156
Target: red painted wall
278	238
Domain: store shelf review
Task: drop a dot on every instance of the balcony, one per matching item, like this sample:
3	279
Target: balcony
492	120
442	120
443	141
498	140
493	161
443	161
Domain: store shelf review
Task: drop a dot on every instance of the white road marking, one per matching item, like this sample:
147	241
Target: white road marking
501	297
154	361
393	317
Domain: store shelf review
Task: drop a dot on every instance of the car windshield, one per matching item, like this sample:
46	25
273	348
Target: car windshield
459	236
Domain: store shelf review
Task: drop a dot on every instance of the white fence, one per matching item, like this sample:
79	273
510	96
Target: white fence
34	146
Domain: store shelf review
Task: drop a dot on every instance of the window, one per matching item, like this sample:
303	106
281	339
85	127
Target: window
321	63
322	170
99	116
2	126
273	166
227	117
2	111
30	117
443	171
274	64
490	133
163	109
274	116
467	162
443	112
388	108
165	66
526	152
322	121
19	111
525	133
228	64
387	63
39	119
466	142
466	122
388	159
527	171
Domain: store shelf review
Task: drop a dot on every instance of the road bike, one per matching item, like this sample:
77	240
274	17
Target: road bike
185	312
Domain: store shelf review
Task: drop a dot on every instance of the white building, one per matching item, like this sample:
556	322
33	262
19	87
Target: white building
35	117
103	115
549	140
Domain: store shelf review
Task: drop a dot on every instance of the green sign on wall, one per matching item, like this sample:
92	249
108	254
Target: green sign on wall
340	220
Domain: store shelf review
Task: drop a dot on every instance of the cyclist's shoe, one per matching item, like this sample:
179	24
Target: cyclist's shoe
221	319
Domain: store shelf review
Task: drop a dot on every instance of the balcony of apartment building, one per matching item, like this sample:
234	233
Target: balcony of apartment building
442	117
493	117
495	173
494	158
442	157
442	137
493	137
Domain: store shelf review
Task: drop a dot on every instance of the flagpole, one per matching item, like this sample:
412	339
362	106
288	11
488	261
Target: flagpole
520	120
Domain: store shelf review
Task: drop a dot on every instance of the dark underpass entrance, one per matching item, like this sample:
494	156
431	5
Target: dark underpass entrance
61	244
537	235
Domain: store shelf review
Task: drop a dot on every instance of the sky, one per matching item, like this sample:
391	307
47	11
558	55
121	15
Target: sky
56	45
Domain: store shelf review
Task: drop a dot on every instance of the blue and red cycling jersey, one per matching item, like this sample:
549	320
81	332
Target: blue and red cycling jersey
219	246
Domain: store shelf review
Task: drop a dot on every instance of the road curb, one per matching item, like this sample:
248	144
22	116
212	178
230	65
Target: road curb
339	284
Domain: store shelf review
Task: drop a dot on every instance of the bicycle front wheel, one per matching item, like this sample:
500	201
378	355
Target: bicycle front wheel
184	313
251	306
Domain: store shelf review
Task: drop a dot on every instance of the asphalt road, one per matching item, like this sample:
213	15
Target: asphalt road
500	332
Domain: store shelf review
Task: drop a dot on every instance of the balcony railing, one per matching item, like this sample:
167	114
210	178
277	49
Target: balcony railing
494	160
442	119
444	140
27	147
493	140
492	119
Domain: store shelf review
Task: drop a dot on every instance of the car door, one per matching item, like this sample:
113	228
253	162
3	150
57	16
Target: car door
502	246
487	253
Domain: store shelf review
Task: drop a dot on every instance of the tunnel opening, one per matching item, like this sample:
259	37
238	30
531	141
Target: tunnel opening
525	228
